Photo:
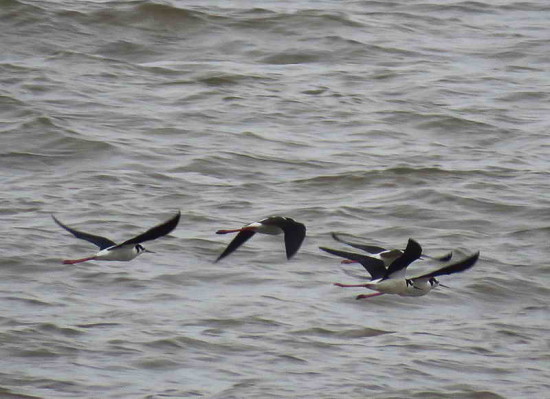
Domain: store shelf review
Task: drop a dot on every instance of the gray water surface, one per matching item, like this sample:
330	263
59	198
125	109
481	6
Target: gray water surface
384	120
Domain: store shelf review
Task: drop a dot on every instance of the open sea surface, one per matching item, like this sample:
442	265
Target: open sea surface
380	119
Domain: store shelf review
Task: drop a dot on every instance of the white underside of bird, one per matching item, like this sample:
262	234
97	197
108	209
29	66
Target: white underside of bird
263	228
121	254
124	253
401	286
388	286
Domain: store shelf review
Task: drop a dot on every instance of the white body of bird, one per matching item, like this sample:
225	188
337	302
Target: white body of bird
261	228
124	253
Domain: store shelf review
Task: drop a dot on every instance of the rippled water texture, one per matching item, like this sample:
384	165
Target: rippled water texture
380	119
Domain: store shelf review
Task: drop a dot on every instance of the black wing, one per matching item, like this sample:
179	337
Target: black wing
442	258
372	249
239	240
155	232
454	268
101	242
374	266
295	233
411	253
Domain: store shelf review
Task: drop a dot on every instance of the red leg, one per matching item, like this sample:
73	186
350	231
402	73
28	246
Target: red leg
228	231
347	261
236	230
363	296
349	285
73	261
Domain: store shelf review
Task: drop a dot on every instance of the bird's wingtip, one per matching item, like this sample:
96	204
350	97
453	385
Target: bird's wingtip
177	215
335	236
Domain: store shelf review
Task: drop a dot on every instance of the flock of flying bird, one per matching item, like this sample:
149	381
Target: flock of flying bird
387	268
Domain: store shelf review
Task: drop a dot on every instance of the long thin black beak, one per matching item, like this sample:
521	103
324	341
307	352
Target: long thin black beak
444	286
151	252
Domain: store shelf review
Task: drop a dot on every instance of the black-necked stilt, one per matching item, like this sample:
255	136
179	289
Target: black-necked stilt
421	285
294	232
393	280
385	254
126	251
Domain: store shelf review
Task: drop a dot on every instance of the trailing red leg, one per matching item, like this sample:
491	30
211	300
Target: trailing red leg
73	261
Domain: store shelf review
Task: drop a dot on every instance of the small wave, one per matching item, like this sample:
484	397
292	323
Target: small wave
290	57
9	394
20	12
182	342
56	142
153	363
55	329
455	8
352	333
522	6
454	391
97	325
291	359
29	301
219	79
241	322
149	15
290	21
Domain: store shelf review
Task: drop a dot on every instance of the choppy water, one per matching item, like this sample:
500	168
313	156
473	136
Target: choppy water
382	119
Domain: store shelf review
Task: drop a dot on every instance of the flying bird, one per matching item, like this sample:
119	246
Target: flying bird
421	285
392	280
294	233
125	251
386	254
